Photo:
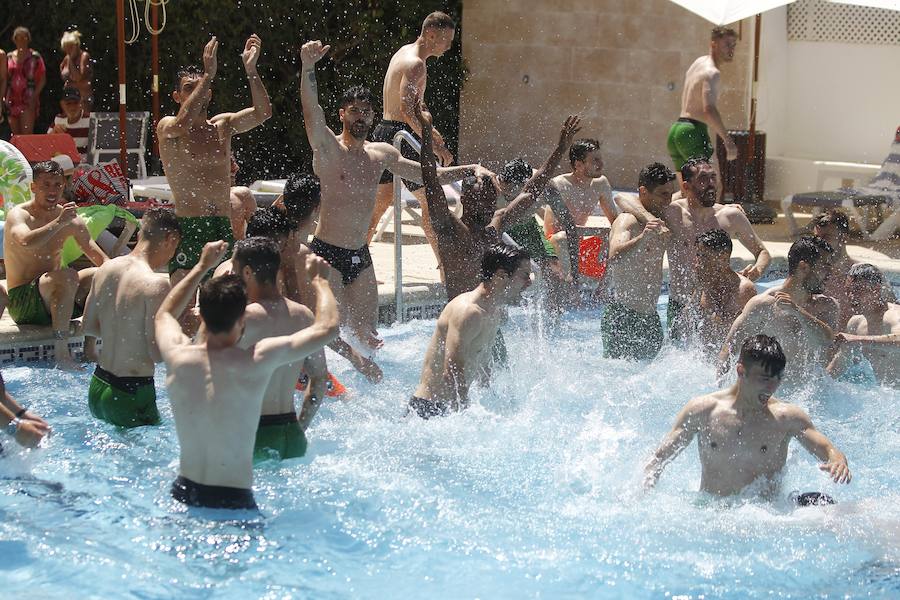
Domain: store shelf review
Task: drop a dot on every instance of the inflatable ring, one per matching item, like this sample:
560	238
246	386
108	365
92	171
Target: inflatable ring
334	388
589	262
15	178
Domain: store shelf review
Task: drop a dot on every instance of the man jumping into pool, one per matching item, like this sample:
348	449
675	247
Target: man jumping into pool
465	332
196	153
216	388
743	431
689	135
349	168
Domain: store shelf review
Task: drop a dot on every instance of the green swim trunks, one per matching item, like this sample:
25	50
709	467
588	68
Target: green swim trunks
688	138
26	306
279	437
528	234
195	233
630	334
123	401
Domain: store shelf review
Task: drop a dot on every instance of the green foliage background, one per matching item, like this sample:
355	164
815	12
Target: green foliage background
364	34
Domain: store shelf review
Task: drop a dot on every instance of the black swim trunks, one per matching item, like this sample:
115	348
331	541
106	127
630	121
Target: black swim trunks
212	496
385	132
811	499
350	263
427	408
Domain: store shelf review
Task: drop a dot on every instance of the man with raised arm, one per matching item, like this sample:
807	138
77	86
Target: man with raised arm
196	153
461	241
631	327
466	330
121	308
743	432
216	388
795	312
404	87
874	328
689	135
349	168
41	292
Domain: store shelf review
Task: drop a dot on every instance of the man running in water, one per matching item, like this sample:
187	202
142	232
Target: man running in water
196	153
833	226
743	432
349	168
631	327
125	295
689	135
404	88
466	330
216	388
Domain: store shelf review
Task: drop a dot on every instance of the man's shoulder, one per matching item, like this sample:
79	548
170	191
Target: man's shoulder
601	183
624	220
789	414
704	404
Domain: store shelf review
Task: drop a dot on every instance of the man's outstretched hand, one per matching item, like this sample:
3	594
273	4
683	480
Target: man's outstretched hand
251	52
312	52
209	57
569	130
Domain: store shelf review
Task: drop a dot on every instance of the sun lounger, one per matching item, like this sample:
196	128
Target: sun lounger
155	191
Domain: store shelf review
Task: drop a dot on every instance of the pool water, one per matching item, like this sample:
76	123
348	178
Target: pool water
534	492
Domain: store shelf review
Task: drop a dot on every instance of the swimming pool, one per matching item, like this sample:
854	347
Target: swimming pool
533	492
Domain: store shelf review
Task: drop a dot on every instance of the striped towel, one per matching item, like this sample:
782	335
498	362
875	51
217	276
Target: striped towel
887	181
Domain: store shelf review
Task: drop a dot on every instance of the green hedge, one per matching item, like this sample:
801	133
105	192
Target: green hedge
363	33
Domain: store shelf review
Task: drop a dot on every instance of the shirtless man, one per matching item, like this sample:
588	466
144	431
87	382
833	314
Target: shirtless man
689	135
874	328
196	153
216	388
269	314
796	312
833	226
41	292
720	294
404	88
631	327
581	191
121	307
349	168
466	330
744	432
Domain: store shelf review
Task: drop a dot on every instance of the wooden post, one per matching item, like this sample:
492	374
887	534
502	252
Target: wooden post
123	140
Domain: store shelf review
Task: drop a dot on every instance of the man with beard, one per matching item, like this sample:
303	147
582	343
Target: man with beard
349	168
196	153
874	328
795	312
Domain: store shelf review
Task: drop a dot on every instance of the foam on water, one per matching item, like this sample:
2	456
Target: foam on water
533	492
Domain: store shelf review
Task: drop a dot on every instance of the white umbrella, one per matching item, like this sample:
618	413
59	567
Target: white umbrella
888	4
721	12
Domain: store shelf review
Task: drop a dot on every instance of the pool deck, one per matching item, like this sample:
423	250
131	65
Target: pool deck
423	292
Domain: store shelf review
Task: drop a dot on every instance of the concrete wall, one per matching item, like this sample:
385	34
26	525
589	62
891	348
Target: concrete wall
532	62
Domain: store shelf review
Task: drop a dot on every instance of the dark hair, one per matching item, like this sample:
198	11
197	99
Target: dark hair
157	223
720	32
438	20
516	172
716	239
269	222
261	255
866	273
654	175
191	71
223	301
47	167
501	256
580	149
692	166
809	249
835	217
354	93
302	195
763	350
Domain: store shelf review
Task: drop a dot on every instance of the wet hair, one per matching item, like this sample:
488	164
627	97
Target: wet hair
654	175
270	223
717	240
763	350
21	29
866	273
692	167
580	149
356	93
302	195
190	71
438	20
835	217
720	32
47	167
223	301
261	255
501	256
157	223
809	249
70	37
516	172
